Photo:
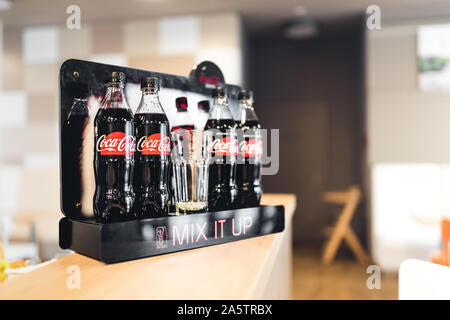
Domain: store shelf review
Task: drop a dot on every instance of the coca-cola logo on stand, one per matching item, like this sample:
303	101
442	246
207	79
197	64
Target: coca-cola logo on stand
227	146
206	75
252	148
156	144
115	143
161	237
215	80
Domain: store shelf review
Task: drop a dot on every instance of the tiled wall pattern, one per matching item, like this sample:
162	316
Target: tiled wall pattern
30	63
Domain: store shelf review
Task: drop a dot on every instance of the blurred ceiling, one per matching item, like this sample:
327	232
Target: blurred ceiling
257	14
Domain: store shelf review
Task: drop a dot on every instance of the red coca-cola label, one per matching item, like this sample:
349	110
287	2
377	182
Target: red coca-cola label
227	146
209	79
115	143
156	144
251	148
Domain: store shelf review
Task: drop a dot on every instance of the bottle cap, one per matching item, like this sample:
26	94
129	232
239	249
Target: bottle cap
244	94
203	105
116	76
218	92
150	82
181	103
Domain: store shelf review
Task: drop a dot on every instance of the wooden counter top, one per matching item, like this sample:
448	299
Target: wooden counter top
235	270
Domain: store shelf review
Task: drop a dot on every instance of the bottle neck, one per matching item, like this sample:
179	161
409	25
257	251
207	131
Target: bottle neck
220	109
150	102
115	97
247	112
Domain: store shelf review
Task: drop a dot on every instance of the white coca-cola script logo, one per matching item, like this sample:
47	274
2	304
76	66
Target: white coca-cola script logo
156	144
251	148
226	147
115	143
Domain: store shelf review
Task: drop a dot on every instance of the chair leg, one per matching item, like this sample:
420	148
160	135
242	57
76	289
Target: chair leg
333	245
356	247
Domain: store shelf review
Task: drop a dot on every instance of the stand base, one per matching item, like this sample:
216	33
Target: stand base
121	241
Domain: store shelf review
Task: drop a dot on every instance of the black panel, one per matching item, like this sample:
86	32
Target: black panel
121	241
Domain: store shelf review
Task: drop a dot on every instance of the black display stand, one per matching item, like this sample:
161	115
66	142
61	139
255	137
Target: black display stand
121	241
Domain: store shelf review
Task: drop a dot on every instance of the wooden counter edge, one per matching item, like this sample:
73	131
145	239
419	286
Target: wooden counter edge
288	200
267	267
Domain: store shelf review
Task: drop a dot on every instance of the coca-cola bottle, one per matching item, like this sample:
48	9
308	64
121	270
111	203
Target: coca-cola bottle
222	189
182	119
203	110
114	154
72	138
152	153
248	177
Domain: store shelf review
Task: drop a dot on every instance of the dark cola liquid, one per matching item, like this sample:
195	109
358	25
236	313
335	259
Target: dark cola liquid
152	170
114	195
72	136
248	178
222	190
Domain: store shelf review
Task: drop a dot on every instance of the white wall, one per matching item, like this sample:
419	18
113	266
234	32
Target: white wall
408	149
404	124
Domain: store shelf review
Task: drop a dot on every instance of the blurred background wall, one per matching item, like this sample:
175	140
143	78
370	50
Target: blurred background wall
408	135
347	99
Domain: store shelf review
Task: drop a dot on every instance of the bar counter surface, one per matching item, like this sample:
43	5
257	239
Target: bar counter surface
257	268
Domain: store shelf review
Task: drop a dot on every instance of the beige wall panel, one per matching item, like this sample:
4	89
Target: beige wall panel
409	126
76	43
40	191
180	65
404	124
13	75
392	62
33	138
220	31
140	37
42	78
42	108
107	37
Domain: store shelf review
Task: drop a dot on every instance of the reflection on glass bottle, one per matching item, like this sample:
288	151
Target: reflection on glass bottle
72	136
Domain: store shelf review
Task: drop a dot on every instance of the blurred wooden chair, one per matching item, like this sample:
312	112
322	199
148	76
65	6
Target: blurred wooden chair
342	230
